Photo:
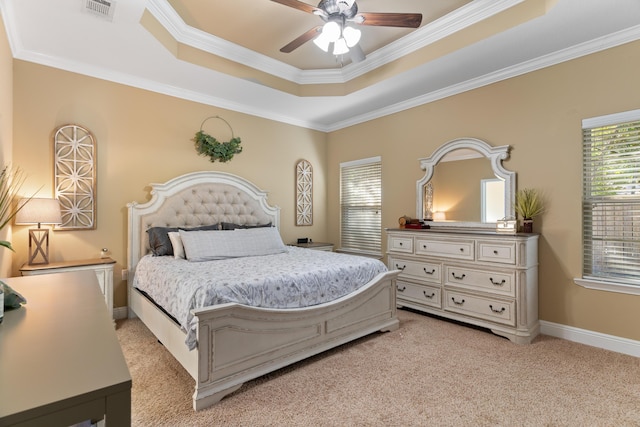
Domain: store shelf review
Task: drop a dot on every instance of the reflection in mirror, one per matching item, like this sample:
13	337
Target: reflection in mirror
492	199
466	185
457	186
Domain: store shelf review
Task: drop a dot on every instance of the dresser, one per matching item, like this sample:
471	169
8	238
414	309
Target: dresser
481	278
102	267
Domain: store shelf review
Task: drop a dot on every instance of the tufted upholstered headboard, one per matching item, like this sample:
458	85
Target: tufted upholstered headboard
194	199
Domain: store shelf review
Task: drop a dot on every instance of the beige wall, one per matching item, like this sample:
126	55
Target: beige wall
144	137
6	129
539	115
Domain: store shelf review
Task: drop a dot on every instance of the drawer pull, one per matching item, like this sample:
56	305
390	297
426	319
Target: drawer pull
402	289
429	272
424	246
457	302
401	268
458	277
495	252
497	311
399	243
433	294
461	249
497	283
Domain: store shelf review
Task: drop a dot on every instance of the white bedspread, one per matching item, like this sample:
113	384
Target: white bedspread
297	278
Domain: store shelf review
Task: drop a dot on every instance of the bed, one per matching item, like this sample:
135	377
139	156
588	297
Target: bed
234	342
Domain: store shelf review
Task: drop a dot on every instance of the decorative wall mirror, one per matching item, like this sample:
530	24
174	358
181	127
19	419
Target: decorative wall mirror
462	183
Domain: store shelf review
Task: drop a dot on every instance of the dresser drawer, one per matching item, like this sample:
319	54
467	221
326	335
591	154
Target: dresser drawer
424	295
503	253
494	310
401	244
459	249
417	270
488	281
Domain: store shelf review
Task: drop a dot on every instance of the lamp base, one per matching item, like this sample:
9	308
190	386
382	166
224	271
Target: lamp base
38	246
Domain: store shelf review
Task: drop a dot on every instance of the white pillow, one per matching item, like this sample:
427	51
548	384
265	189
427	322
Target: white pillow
176	242
211	245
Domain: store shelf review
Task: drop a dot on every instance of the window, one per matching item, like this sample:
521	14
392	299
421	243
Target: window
611	202
361	206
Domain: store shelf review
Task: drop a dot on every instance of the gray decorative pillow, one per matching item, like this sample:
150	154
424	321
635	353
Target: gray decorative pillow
202	228
160	243
232	226
159	240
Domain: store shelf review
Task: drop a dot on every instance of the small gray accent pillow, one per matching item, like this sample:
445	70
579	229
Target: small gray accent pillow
160	243
232	226
213	245
159	240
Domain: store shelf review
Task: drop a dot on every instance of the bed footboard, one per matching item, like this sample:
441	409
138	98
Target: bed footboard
237	343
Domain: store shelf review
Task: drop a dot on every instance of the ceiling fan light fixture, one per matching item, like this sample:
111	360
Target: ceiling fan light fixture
340	47
351	36
331	31
322	42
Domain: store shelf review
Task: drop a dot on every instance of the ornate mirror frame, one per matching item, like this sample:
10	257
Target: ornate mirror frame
495	155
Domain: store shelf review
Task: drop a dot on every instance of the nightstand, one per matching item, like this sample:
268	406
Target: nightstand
318	246
103	267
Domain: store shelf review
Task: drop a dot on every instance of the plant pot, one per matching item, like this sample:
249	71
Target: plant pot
527	225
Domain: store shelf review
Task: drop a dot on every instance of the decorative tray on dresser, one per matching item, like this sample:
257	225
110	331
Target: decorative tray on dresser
481	278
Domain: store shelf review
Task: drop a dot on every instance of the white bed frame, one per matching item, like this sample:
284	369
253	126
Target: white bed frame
237	343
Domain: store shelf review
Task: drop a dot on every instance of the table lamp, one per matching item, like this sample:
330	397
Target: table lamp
38	211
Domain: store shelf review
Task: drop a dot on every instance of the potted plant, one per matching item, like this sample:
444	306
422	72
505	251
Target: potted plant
11	180
528	205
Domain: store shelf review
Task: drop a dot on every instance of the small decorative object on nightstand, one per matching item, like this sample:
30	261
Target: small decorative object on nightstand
103	267
318	246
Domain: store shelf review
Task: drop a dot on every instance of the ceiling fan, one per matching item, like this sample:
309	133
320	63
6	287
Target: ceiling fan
337	14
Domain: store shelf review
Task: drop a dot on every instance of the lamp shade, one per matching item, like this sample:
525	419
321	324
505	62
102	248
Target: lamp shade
351	36
439	216
38	211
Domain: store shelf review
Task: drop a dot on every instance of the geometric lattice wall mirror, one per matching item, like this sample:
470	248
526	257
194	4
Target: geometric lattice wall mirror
304	193
75	177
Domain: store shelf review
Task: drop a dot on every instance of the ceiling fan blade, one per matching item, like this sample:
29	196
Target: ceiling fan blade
296	43
297	5
409	20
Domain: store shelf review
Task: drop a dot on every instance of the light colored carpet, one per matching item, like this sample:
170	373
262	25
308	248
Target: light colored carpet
430	372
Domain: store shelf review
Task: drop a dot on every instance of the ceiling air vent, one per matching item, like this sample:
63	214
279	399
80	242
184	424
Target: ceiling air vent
102	8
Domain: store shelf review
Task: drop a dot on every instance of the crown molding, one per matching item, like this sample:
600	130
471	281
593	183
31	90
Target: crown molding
451	23
596	45
593	46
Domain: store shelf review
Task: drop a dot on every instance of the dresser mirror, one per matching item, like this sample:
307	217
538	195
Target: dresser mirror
466	184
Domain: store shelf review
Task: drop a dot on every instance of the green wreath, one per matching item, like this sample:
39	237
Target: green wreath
207	145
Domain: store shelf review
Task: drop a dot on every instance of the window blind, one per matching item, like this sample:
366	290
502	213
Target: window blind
361	206
611	202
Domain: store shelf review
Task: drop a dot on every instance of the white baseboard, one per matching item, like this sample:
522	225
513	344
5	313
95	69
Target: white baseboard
120	313
594	339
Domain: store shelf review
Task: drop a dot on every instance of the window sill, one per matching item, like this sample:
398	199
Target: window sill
607	286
